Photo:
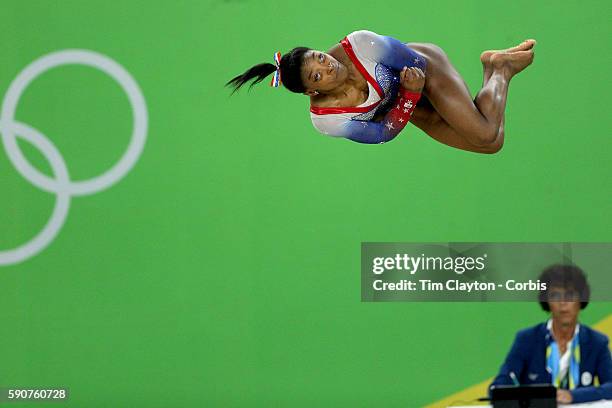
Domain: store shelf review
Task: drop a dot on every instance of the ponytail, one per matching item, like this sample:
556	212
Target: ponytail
290	66
259	71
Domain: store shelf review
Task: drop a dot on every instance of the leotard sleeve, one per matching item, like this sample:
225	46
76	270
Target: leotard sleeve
371	132
385	50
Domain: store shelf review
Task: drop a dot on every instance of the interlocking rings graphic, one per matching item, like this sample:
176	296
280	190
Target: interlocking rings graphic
60	184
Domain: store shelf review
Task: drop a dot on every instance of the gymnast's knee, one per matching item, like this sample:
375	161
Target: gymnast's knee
494	147
434	53
486	137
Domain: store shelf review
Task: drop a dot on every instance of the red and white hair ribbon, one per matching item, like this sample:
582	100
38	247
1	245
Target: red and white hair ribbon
276	80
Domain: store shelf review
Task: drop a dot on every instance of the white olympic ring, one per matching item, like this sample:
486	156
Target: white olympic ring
61	184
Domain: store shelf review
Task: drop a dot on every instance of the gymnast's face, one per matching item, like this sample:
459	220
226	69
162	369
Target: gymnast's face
321	72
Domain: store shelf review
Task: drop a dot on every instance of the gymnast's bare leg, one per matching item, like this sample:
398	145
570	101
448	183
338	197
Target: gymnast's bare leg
448	114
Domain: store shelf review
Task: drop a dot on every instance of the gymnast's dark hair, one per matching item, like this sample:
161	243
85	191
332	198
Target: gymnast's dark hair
290	68
568	277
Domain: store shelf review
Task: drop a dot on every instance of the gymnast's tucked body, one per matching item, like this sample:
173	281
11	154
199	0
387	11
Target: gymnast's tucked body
367	88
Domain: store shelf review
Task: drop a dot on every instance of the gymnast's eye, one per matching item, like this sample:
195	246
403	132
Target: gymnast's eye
317	77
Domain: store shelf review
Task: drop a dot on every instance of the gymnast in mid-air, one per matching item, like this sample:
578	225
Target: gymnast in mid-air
369	86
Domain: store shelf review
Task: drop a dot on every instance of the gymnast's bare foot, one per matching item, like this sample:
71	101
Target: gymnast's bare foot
526	45
511	63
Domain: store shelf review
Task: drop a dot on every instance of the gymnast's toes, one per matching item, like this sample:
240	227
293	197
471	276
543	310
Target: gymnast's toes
526	45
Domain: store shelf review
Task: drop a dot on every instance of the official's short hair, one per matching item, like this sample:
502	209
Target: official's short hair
564	276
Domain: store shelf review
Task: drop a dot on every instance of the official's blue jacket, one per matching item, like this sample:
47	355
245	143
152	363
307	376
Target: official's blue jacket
527	359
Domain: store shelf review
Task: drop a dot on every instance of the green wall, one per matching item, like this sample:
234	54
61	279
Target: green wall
223	269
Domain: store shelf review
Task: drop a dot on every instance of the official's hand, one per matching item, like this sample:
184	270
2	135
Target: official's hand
564	397
412	79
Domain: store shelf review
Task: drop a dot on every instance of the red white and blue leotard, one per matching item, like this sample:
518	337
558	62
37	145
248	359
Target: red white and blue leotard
380	60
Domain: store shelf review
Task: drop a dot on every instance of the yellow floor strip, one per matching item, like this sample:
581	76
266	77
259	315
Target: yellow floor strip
469	395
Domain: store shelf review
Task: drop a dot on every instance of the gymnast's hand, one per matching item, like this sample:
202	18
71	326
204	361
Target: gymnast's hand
412	79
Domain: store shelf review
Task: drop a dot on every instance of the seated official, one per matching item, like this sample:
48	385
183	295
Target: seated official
562	352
